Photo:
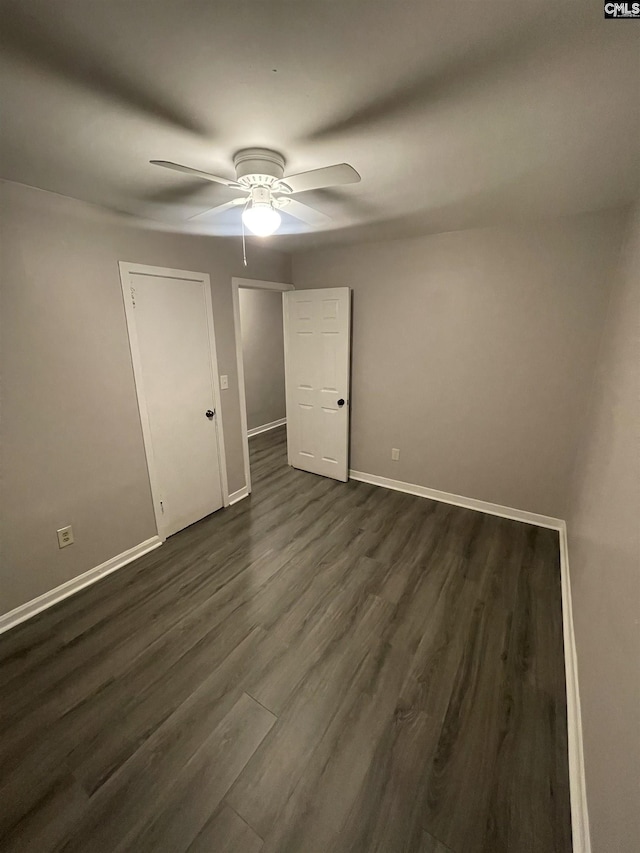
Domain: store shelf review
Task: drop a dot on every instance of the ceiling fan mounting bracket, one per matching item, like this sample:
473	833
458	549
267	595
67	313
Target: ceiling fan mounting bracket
259	167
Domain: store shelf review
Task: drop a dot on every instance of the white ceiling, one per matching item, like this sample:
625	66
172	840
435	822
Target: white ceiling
456	113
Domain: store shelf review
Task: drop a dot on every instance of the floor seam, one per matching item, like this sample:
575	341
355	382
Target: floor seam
262	705
243	819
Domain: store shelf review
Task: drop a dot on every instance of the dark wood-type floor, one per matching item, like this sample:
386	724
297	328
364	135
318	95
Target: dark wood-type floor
322	667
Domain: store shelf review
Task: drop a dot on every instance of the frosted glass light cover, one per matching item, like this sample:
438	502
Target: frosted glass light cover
261	219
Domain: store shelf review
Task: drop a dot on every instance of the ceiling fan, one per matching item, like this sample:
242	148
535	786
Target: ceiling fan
260	176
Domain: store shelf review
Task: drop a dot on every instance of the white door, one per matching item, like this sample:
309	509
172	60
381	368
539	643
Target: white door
317	361
171	333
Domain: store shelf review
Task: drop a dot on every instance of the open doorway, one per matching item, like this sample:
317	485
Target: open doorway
261	375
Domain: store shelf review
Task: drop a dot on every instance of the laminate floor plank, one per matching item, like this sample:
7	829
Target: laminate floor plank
468	742
186	806
315	813
129	798
384	817
271	776
96	758
429	844
330	631
226	832
48	819
324	666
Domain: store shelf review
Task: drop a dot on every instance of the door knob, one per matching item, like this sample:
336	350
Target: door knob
341	402
210	413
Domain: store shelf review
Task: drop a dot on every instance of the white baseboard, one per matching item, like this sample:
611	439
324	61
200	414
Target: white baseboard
234	497
577	779
70	587
459	500
266	427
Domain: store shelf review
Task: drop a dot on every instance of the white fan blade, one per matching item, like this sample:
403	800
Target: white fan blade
316	179
189	171
303	212
213	211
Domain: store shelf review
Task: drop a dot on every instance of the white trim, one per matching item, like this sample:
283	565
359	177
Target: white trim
287	366
217	395
234	497
266	427
458	500
577	780
252	284
126	271
258	284
70	587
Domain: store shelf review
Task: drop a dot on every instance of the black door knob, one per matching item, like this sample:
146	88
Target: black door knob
341	402
209	413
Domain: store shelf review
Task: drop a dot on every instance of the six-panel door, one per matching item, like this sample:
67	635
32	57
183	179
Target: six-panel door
317	357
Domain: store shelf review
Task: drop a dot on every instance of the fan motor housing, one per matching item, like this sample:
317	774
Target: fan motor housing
258	167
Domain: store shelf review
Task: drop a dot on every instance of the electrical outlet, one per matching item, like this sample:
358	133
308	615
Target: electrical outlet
224	382
65	536
395	454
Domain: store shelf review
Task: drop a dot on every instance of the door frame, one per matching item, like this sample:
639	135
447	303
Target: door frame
249	284
126	271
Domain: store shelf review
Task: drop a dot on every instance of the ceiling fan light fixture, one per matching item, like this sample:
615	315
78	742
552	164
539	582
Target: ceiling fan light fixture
261	219
260	175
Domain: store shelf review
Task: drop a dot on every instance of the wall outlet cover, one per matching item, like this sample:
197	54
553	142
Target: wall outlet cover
65	536
395	454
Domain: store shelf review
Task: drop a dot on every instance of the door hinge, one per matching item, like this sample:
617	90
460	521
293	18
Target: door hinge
161	507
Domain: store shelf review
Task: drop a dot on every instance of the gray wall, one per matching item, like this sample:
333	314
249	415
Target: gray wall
263	355
71	438
473	352
604	552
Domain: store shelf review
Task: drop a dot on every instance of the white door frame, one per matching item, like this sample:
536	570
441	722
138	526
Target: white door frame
126	270
251	284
